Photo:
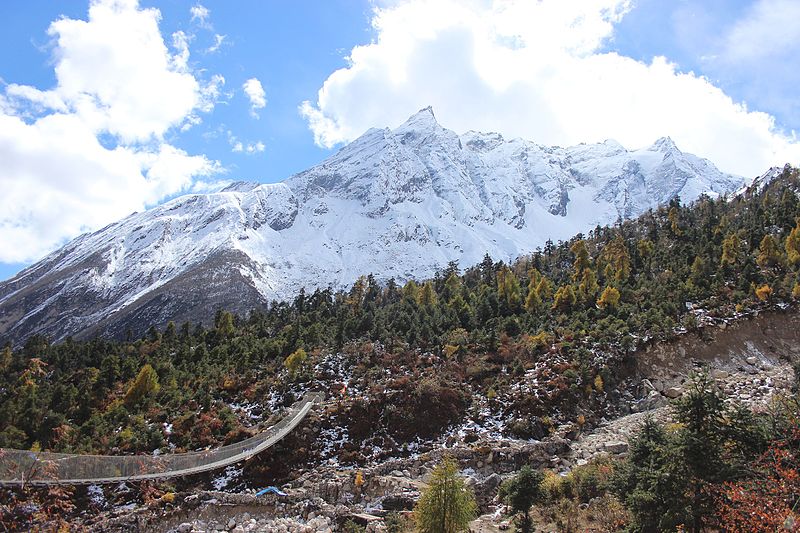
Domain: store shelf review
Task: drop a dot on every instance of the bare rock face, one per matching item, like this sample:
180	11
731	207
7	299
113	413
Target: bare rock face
397	203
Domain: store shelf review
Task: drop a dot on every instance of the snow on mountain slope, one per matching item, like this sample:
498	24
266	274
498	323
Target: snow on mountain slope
397	203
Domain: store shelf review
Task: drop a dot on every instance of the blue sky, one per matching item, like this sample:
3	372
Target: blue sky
135	106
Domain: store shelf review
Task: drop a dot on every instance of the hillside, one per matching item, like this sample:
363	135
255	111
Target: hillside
509	361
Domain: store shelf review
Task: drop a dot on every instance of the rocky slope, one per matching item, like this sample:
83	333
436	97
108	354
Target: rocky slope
398	203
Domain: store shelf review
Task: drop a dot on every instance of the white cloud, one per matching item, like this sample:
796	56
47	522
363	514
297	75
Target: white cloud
255	93
769	28
535	70
238	146
92	149
201	15
218	40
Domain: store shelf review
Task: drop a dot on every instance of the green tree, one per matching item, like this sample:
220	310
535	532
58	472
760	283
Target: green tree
447	505
521	492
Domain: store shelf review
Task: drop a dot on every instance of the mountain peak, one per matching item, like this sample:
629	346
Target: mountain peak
664	144
424	119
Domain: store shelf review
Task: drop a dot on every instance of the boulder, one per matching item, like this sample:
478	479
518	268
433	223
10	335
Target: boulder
673	392
616	447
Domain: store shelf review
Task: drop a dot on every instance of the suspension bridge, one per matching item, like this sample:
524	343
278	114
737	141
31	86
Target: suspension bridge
24	467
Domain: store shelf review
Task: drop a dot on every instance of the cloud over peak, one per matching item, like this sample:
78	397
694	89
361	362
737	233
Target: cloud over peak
536	70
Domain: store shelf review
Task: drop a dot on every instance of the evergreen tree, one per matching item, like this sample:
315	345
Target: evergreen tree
446	505
730	250
792	246
769	255
521	492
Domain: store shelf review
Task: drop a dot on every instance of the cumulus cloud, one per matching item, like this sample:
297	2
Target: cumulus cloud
535	70
255	93
91	149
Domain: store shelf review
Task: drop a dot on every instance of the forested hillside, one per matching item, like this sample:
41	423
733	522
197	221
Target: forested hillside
584	302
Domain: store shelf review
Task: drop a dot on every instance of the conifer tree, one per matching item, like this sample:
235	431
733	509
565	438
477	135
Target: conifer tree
427	295
145	384
411	290
544	290
581	259
609	298
730	250
564	298
588	286
447	505
521	492
533	302
792	246
769	254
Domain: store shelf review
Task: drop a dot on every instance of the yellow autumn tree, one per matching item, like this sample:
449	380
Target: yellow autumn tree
145	384
609	298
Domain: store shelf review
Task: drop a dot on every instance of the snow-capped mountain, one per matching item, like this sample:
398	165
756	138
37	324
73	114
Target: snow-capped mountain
396	203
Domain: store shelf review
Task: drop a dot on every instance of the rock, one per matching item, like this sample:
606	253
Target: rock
654	400
616	447
751	360
231	523
582	462
504	526
184	528
398	502
719	374
673	392
647	385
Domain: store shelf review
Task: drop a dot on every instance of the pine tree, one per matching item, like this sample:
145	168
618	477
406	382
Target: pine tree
447	505
427	295
565	298
730	250
581	259
792	246
521	492
769	254
544	290
588	287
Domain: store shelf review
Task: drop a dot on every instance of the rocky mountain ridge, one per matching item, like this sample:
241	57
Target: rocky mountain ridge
398	203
